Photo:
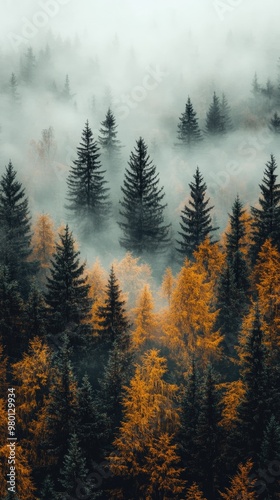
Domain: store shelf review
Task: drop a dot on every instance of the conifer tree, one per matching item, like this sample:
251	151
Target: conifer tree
189	133
194	493
142	209
108	140
66	95
35	315
242	484
87	194
214	118
226	122
253	408
145	320
15	229
13	91
113	323
11	316
67	295
196	220
47	491
274	123
74	471
28	67
266	219
270	447
43	245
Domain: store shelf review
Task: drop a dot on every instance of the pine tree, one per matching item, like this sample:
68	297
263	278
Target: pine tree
253	408
67	295
256	88
189	133
226	122
66	95
11	316
74	471
87	194
35	315
15	229
208	437
196	221
13	91
270	447
47	491
108	139
194	493
28	68
142	211
113	323
145	320
43	245
214	118
274	123
266	219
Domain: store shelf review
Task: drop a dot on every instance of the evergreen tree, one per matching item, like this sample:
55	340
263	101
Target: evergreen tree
242	484
74	472
87	194
196	221
189	133
274	123
67	295
270	447
253	408
13	91
35	316
142	211
266	219
194	493
29	65
256	87
11	315
15	230
47	491
214	118
113	324
226	122
66	95
108	139
209	434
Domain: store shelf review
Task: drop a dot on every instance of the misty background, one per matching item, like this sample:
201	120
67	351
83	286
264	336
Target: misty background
142	59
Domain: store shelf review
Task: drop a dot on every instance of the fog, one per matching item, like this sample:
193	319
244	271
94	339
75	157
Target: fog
143	59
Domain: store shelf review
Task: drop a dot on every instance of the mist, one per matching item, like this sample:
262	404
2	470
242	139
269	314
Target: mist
143	60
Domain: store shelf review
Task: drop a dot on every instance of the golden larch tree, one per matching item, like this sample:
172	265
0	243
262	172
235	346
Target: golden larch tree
43	243
145	320
242	484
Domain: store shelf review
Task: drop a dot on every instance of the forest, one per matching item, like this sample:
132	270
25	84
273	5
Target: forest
139	272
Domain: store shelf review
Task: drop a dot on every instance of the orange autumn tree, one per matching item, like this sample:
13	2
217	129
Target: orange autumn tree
43	243
145	320
25	488
189	326
97	280
168	283
132	276
210	259
194	493
242	484
144	446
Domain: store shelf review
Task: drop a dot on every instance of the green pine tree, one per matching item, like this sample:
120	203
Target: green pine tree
108	139
196	220
67	295
28	67
274	123
214	118
142	210
189	133
266	219
11	317
13	91
73	474
226	122
15	230
87	194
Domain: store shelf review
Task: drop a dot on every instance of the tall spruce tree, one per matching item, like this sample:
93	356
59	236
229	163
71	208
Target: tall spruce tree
13	91
73	473
67	294
253	409
226	122
11	316
113	323
28	66
214	118
15	230
108	139
196	220
142	209
274	123
189	133
87	195
266	219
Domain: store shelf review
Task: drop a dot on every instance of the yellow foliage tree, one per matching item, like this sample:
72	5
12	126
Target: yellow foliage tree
242	485
132	277
43	243
97	279
168	282
25	488
210	260
145	319
234	392
194	493
189	326
144	445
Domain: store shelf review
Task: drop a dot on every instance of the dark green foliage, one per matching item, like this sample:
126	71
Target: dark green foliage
266	219
274	123
196	220
13	91
87	194
108	140
47	491
15	230
35	315
226	122
28	67
209	434
73	474
214	119
11	316
67	290
189	133
113	323
142	223
253	409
